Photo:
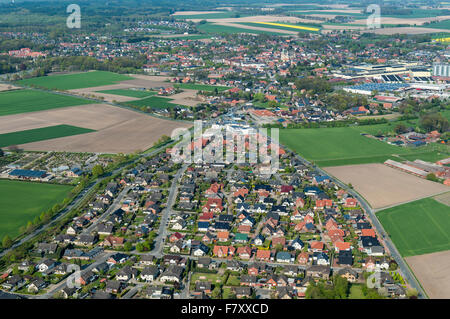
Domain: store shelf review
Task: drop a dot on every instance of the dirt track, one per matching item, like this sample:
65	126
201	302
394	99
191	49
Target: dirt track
118	130
383	186
7	87
432	271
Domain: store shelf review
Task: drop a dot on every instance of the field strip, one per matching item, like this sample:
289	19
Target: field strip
289	26
240	26
409	201
443	198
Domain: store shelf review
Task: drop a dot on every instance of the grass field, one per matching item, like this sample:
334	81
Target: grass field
40	134
23	101
346	146
418	227
76	80
201	87
284	26
216	28
21	202
130	93
155	102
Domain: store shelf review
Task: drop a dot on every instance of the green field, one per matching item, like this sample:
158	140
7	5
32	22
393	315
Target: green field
154	102
444	24
130	93
201	87
216	28
346	146
76	80
23	101
419	227
40	134
21	202
420	13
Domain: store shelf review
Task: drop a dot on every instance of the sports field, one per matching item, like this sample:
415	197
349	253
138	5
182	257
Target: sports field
21	202
346	145
201	87
419	227
130	93
76	80
23	101
40	134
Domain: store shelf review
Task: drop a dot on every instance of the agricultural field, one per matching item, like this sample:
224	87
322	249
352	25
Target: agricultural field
40	134
383	186
444	24
419	227
76	80
207	15
154	102
432	272
201	87
351	13
218	28
346	145
129	93
16	212
117	130
23	101
284	26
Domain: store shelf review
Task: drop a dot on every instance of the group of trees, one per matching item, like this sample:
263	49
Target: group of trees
315	85
84	63
434	122
339	289
341	101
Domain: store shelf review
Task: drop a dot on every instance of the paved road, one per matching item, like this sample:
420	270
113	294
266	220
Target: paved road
112	208
404	269
162	232
54	289
133	291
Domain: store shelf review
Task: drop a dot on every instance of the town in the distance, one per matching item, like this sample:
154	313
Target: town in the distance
131	142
